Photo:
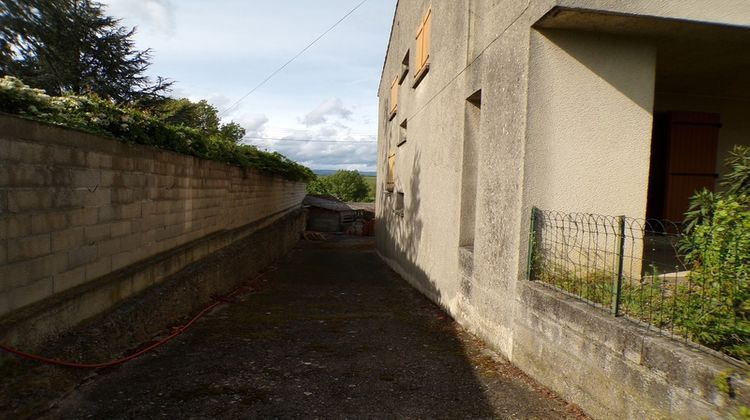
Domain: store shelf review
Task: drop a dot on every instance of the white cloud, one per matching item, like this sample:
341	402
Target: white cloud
331	107
325	147
155	16
253	124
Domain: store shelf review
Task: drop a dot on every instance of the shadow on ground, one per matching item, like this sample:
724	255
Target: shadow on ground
331	333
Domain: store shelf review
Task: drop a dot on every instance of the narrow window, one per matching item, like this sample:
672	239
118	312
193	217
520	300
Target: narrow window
422	49
391	180
401	133
404	67
393	109
400	203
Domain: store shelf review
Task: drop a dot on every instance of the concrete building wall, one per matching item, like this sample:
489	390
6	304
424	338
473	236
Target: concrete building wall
589	125
75	207
548	97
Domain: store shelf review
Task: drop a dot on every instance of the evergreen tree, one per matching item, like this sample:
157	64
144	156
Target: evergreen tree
71	46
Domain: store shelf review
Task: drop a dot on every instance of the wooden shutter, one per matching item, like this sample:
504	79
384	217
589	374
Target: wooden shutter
393	108
424	35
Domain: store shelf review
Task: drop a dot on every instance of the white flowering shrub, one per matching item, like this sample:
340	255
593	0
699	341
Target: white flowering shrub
96	115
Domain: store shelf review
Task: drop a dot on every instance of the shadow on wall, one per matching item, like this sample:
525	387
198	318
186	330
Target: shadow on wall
399	234
587	50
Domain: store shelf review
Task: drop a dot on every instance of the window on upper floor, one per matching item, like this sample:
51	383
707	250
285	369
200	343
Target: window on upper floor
391	178
393	102
404	68
401	134
422	48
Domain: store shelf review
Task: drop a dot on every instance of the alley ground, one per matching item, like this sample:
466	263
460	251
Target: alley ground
331	332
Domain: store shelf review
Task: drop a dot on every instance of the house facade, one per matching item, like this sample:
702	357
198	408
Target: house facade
489	108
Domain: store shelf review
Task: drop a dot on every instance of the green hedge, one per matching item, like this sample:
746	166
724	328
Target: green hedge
136	126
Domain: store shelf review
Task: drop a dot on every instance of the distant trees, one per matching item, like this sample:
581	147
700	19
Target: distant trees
200	116
71	46
344	185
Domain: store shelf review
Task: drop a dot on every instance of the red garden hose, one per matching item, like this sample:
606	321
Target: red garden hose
218	300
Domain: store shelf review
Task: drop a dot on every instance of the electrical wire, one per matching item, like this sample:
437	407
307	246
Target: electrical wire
312	140
278	70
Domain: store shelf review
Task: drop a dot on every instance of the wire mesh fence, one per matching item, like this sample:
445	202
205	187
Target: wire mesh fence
631	267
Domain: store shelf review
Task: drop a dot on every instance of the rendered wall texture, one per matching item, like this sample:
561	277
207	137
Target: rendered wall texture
565	122
75	207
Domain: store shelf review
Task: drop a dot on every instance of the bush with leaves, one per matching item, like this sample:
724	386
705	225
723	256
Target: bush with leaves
716	311
101	116
344	185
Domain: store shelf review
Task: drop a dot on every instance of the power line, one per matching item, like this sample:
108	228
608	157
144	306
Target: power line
307	130
312	140
278	70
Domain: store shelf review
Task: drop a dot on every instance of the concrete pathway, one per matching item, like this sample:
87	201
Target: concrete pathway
331	333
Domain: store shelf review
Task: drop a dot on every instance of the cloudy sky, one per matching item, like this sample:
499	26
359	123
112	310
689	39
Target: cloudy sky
322	107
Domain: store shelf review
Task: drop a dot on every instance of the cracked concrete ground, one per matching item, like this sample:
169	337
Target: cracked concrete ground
332	332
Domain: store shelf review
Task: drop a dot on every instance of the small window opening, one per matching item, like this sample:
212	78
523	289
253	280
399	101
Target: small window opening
391	179
476	98
401	133
399	203
393	108
404	67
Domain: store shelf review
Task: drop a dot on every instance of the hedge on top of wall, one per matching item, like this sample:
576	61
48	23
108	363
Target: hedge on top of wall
93	114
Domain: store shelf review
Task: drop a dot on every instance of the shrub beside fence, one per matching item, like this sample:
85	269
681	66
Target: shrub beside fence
638	269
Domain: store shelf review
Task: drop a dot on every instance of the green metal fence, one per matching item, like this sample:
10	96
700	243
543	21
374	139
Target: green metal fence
630	267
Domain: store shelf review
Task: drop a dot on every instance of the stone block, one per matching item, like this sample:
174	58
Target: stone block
98	197
28	294
99	160
121	228
83	217
28	247
68	239
129	211
28	271
131	242
48	222
96	233
108	247
29	152
123	163
87	178
82	256
122	195
68	279
98	268
124	259
29	200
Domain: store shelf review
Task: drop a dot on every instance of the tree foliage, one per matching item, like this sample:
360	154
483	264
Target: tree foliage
344	185
717	243
71	46
200	116
134	125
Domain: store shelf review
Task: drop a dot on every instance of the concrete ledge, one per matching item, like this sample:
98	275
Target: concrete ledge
216	262
609	364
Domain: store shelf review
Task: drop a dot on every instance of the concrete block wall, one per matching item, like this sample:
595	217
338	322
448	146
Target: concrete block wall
75	206
614	367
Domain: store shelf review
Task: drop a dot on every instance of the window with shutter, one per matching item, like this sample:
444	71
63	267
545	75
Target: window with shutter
422	50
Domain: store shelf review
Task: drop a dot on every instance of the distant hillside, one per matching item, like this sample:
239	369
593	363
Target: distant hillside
326	172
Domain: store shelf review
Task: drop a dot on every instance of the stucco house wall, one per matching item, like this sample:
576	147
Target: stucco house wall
564	122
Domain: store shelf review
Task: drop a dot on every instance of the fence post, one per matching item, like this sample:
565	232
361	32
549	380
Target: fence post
617	286
532	247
